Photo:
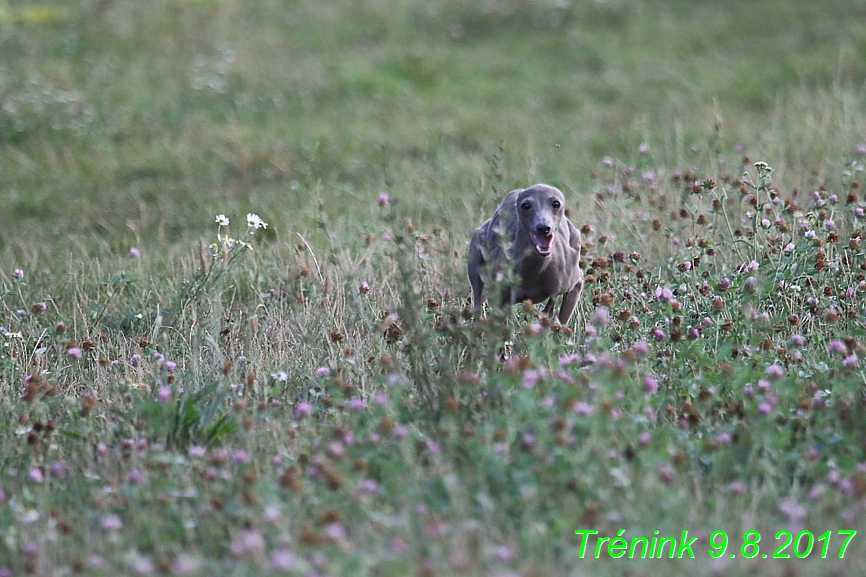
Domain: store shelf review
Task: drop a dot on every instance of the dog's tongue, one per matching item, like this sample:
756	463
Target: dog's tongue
542	243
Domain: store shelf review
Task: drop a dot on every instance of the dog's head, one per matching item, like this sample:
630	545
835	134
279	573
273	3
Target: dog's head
540	209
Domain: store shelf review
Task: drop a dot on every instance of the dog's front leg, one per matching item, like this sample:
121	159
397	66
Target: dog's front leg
569	302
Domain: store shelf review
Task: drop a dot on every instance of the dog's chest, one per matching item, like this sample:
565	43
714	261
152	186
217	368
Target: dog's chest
542	278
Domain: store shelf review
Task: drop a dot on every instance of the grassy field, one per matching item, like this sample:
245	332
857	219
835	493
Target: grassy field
177	403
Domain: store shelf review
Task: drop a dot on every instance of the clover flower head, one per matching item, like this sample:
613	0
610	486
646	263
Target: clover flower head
837	346
650	384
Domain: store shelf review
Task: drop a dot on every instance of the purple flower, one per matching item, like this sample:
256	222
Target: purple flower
111	522
364	289
582	408
356	403
283	560
241	456
601	317
793	510
133	251
383	199
837	346
57	469
18	273
247	542
663	294
658	334
143	566
641	348
335	531
35	475
667	473
95	561
185	564
737	486
650	384
505	553
369	487
74	352
135	476
323	372
303	409
164	395
530	378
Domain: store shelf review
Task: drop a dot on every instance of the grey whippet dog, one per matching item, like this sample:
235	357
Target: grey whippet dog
529	232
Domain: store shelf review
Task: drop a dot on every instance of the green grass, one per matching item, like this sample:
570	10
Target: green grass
194	408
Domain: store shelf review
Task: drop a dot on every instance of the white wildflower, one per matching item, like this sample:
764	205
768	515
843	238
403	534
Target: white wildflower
254	221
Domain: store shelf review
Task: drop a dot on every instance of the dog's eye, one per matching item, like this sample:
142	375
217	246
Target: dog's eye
526	205
556	204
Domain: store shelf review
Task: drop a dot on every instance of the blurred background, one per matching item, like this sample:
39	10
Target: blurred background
128	122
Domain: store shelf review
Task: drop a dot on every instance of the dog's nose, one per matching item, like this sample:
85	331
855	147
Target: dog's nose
543	230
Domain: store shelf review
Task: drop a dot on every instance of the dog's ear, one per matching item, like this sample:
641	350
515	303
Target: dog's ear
574	238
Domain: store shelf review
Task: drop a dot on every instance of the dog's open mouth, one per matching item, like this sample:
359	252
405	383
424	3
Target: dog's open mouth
542	243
